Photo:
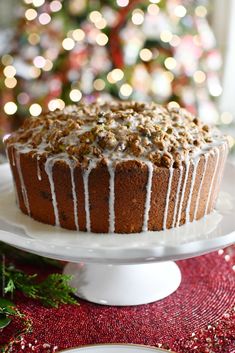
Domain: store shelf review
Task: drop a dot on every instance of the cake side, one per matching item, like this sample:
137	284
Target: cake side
83	200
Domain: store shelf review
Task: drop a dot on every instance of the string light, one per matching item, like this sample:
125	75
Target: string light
75	95
10	82
55	6
173	104
117	75
10	108
102	39
38	3
170	63
39	61
110	78
44	18
28	1
9	71
175	41
35	109
155	1
180	11
137	17
23	98
215	89
201	11
78	35
122	3
166	36
95	16
34	72
170	75
48	65
226	118
101	24
7	59
56	104
99	84
31	14
34	38
199	76
68	43
153	9
126	90
146	54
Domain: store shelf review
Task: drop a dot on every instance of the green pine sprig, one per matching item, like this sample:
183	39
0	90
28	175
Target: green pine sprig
52	291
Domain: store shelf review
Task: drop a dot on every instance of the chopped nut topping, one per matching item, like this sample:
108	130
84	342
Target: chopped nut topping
117	130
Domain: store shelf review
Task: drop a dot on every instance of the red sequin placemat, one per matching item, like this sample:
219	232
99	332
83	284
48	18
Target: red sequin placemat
199	317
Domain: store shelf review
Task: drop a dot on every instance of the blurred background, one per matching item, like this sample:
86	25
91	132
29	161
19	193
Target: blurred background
61	51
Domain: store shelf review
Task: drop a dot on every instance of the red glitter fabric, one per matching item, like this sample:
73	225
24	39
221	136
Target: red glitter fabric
199	317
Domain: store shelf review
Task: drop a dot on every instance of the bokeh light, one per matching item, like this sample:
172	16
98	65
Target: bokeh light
75	95
10	108
31	14
68	43
35	109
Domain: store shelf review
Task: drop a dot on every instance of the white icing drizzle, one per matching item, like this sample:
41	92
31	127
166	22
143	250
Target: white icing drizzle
14	183
195	166
75	201
86	174
177	196
224	154
148	195
49	170
200	187
23	188
111	170
183	192
38	169
217	153
13	157
171	172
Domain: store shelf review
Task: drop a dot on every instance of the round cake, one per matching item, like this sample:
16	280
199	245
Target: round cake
119	167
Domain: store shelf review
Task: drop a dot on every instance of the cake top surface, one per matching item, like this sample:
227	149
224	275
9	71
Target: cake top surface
118	130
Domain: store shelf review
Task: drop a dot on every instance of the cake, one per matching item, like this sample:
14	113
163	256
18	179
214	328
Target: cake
119	167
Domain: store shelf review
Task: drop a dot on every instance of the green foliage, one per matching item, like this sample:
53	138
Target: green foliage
6	309
52	291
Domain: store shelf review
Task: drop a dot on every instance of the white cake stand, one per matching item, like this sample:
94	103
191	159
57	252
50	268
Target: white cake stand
114	269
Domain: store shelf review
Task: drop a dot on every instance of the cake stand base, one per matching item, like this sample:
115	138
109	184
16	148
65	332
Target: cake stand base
124	284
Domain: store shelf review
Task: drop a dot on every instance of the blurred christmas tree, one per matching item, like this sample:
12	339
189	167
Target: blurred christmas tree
145	50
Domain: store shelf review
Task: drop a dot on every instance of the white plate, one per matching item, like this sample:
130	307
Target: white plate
114	348
210	233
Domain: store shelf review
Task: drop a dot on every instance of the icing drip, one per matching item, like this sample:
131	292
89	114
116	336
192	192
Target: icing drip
111	170
86	174
224	154
13	157
183	192
171	172
49	170
200	187
14	184
23	188
217	153
38	169
75	201
177	196
195	166
148	196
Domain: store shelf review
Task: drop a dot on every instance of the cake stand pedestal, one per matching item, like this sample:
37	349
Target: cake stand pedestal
124	284
114	269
